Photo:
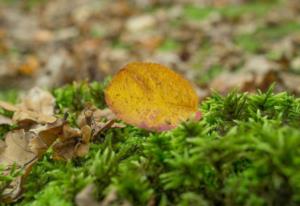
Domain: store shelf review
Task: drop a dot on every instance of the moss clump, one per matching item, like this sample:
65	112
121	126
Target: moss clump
244	151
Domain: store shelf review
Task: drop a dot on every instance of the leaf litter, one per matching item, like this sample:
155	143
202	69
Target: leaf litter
38	129
91	39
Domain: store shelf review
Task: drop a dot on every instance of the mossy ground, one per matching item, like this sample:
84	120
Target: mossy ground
244	151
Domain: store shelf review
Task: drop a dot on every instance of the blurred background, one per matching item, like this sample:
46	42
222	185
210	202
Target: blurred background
218	44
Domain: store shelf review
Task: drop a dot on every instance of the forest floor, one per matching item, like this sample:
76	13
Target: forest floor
216	44
244	151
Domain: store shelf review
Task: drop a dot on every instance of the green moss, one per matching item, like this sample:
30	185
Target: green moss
244	142
73	98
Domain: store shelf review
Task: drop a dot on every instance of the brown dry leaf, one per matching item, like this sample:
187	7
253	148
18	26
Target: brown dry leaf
5	120
7	106
13	191
106	113
102	126
291	81
38	100
69	133
65	150
36	107
27	118
30	66
90	115
86	197
23	147
16	150
73	143
2	145
98	120
151	96
45	135
257	73
86	117
43	36
228	81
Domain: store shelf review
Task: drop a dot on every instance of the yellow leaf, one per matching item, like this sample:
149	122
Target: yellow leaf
151	96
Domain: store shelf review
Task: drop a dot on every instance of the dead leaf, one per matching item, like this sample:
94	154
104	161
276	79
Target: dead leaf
86	133
140	23
228	81
151	96
101	126
69	133
12	192
86	197
16	151
36	107
43	36
45	135
17	148
5	120
91	114
73	143
291	82
104	113
27	118
38	100
7	106
2	145
30	66
98	120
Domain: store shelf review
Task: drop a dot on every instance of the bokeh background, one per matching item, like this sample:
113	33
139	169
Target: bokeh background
218	44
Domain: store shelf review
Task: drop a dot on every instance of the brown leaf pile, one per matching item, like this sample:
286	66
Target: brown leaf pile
57	42
38	129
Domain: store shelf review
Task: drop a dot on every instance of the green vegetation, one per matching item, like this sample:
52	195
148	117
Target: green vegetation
253	42
244	151
170	45
231	11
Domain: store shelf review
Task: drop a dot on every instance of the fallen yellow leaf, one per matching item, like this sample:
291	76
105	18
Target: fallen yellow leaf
151	96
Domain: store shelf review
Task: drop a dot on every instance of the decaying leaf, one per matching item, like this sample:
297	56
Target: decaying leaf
39	130
17	148
73	143
151	96
86	197
228	80
16	151
27	118
8	106
5	120
36	107
291	81
98	119
45	135
30	66
13	191
103	113
38	100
